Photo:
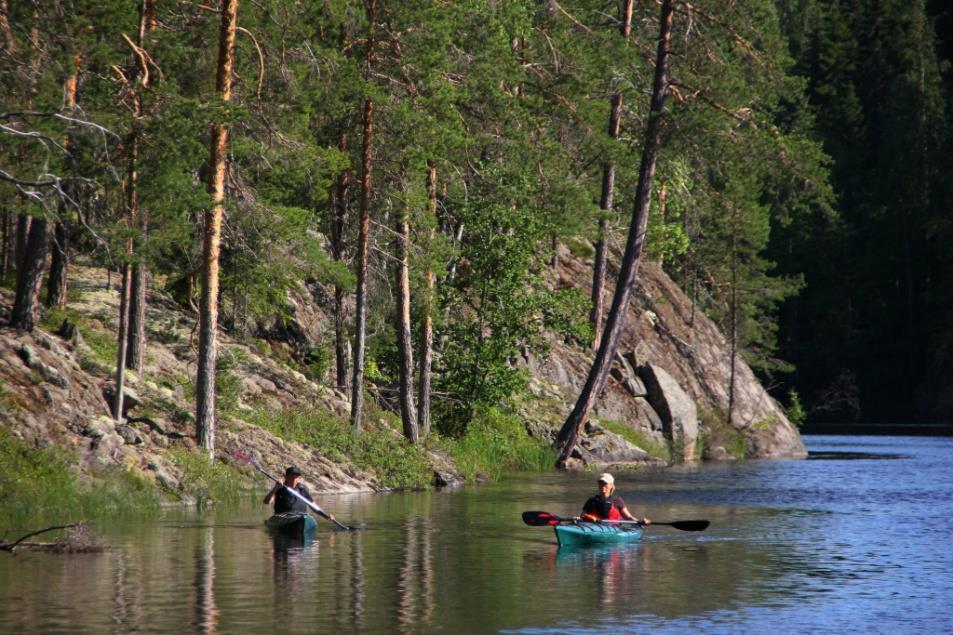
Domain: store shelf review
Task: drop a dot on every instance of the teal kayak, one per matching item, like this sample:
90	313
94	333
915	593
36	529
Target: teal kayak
583	533
292	525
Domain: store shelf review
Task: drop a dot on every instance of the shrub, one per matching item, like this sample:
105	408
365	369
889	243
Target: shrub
496	441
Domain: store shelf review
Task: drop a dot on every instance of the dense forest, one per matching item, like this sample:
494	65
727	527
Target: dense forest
423	162
869	335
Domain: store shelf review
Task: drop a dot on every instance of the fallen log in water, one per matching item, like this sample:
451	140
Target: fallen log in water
78	538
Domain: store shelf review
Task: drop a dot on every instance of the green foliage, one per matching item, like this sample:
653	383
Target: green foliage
498	305
41	482
204	480
378	449
795	410
497	442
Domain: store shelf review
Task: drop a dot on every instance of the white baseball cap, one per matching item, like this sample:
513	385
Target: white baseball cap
606	478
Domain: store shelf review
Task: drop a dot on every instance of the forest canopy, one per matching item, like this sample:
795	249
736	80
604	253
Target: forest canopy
423	162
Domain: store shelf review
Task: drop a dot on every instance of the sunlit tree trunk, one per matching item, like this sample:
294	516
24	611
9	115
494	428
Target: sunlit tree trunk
606	200
635	241
360	318
57	284
426	321
408	412
8	42
211	239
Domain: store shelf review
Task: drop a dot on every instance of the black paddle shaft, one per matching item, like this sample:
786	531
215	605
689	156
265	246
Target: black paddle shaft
545	519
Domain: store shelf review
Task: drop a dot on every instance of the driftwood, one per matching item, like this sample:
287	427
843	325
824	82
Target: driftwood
77	539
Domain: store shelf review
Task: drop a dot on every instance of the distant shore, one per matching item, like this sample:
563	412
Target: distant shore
892	429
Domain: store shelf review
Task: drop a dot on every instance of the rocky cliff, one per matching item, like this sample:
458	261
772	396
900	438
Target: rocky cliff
669	388
670	382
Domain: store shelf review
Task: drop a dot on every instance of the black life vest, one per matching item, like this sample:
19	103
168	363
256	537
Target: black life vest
285	501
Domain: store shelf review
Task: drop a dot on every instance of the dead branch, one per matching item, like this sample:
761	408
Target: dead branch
11	546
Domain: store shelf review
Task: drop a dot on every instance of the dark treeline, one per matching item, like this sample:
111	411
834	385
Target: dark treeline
424	162
870	334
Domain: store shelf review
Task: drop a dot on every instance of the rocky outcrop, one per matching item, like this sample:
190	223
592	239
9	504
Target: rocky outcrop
665	396
54	389
670	378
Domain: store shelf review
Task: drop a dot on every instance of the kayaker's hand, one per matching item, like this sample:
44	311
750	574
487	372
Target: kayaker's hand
646	521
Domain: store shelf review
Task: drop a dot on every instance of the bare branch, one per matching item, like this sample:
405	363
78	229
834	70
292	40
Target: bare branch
261	63
31	135
6	176
61	117
571	18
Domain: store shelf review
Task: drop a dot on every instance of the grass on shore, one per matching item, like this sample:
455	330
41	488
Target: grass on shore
495	442
40	481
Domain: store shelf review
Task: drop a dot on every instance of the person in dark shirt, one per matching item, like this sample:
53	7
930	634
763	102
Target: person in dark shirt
606	506
284	500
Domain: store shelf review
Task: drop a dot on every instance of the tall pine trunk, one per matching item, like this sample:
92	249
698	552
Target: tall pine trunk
23	233
57	285
360	318
56	289
211	239
10	45
130	318
426	321
338	222
136	342
635	241
30	276
408	412
733	316
606	200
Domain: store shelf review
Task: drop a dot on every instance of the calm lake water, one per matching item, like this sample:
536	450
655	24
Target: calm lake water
858	538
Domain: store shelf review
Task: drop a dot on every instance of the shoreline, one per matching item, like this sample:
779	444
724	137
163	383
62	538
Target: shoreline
880	429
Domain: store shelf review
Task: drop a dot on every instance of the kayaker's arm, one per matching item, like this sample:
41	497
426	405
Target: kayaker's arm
628	516
270	496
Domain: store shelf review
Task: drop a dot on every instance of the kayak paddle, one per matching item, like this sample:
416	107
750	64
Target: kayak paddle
545	519
311	504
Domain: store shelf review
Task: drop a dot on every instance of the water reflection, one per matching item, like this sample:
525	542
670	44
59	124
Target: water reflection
793	546
206	609
415	581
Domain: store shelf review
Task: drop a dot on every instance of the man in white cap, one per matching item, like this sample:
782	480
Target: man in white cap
606	506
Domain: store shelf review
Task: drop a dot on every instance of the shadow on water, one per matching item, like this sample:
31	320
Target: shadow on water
853	456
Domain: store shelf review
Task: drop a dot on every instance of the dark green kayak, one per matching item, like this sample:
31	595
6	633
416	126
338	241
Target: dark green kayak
292	524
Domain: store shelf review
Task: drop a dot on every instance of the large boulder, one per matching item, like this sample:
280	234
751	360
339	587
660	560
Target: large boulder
676	409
